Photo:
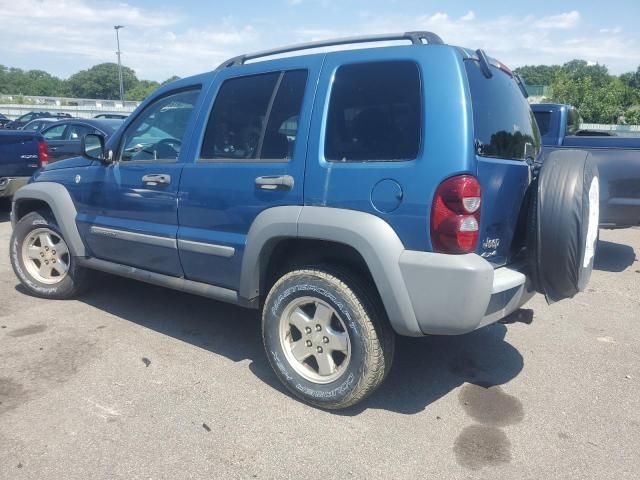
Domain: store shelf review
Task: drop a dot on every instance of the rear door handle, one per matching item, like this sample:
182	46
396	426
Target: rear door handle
275	182
155	179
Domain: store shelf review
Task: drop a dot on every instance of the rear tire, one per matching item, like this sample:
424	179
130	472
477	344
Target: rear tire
41	259
326	338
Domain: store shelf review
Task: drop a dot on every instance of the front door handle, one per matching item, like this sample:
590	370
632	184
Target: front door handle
155	179
275	182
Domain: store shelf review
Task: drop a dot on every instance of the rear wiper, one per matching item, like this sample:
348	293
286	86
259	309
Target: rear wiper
521	84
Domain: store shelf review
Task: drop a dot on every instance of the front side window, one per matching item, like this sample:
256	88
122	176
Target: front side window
158	132
374	112
543	120
255	117
55	133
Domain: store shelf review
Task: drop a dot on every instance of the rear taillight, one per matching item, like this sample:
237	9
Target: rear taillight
455	215
43	154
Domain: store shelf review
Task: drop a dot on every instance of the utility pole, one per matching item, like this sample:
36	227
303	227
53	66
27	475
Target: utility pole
116	28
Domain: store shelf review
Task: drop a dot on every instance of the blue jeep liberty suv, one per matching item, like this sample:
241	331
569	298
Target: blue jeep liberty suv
350	195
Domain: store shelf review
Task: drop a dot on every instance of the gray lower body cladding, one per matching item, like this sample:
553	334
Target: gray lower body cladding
456	294
422	292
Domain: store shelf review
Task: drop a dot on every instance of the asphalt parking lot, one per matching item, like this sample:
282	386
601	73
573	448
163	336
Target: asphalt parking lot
134	381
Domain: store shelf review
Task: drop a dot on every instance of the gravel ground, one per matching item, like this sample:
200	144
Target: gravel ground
134	381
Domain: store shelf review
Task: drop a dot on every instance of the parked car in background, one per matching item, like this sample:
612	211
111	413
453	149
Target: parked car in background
21	155
39	124
618	160
21	121
113	116
64	137
319	189
3	120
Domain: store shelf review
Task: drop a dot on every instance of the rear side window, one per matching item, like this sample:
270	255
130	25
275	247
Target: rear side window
504	124
544	122
255	117
374	112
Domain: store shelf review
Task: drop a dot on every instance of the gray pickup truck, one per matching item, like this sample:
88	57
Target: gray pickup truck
617	158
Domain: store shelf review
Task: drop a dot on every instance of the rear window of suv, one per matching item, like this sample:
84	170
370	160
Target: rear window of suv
504	124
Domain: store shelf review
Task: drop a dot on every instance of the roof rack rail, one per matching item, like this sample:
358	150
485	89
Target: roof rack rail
416	38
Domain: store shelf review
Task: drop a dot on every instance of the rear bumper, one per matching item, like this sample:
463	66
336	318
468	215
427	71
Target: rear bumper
9	185
456	294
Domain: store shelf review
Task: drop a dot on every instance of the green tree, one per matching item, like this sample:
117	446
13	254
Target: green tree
170	79
141	90
600	97
538	74
580	68
632	115
101	81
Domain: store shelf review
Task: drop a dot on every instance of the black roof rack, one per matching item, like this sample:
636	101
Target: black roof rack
416	38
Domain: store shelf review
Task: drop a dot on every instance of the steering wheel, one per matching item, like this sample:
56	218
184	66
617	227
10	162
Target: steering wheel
171	142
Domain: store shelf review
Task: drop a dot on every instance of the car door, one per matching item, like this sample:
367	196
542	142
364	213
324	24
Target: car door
70	144
55	136
251	158
129	215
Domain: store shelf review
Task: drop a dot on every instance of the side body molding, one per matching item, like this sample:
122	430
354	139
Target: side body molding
371	236
59	200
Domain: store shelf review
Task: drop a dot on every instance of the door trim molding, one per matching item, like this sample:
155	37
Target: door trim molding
206	248
147	239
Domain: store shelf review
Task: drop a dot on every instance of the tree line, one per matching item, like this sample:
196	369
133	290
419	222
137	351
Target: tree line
100	82
599	96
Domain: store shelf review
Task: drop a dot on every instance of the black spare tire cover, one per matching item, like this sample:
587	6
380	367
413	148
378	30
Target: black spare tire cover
563	224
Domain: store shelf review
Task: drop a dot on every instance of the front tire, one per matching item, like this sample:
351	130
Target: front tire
326	338
41	259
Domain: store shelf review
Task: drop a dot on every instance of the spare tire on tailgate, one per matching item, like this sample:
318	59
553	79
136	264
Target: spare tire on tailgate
563	224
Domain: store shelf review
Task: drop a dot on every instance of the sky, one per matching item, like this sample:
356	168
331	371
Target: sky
162	38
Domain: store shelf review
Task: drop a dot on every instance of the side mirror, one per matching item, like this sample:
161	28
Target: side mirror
93	146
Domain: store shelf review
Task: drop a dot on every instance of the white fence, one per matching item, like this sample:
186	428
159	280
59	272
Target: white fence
14	106
631	129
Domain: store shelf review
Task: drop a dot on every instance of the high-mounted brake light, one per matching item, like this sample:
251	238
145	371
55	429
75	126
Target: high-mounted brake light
503	67
43	154
455	215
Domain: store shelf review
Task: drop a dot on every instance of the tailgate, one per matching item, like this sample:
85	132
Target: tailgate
18	154
506	139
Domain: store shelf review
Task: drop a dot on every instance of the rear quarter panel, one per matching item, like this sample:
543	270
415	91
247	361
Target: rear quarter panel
446	150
